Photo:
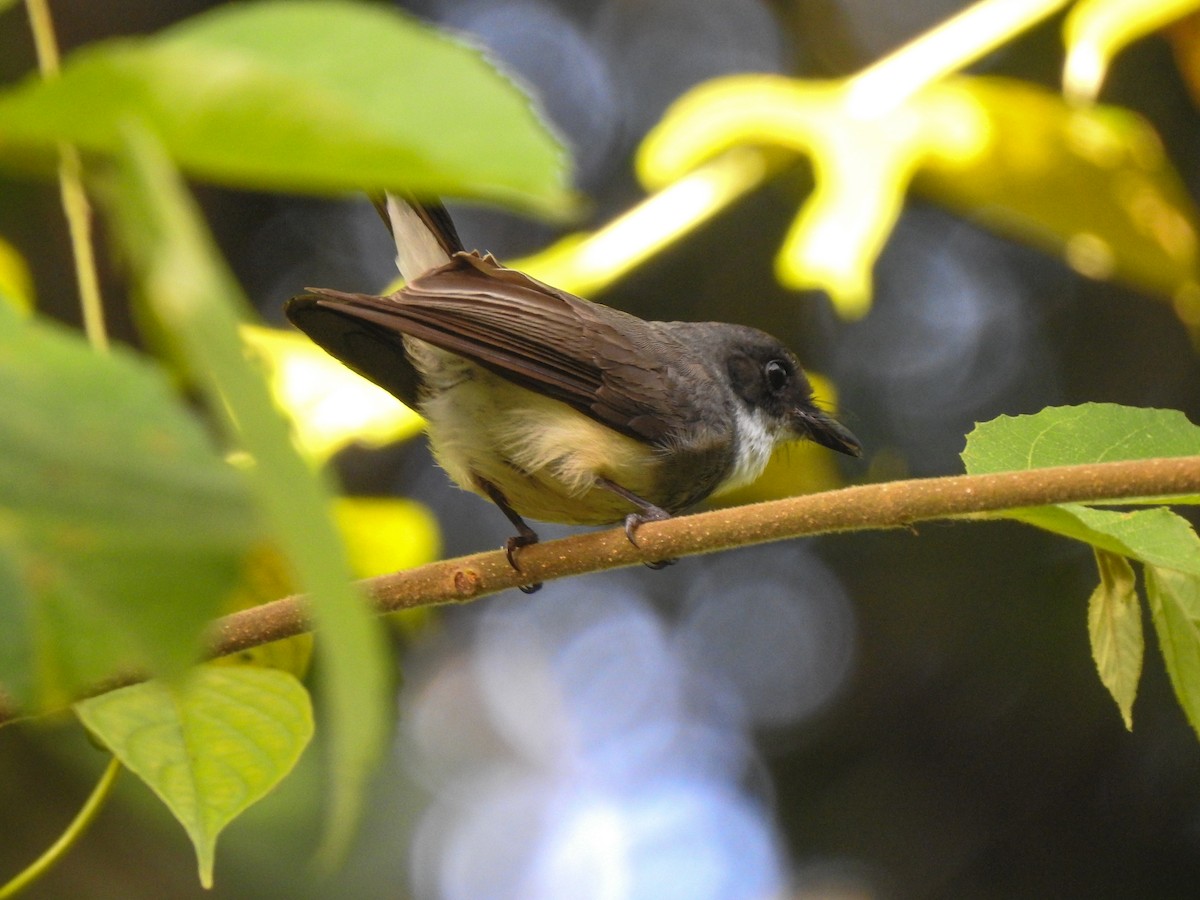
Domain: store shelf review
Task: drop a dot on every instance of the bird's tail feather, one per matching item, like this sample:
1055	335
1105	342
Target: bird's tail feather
424	233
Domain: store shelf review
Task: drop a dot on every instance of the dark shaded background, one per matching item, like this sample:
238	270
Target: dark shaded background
964	746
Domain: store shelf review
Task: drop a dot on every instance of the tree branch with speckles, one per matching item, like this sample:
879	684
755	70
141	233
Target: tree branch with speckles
868	507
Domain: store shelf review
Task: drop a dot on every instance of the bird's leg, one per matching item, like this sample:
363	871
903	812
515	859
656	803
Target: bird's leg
524	536
647	512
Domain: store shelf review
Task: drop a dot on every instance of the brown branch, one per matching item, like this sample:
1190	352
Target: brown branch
895	504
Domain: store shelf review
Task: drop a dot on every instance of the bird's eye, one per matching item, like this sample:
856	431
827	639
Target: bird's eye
778	373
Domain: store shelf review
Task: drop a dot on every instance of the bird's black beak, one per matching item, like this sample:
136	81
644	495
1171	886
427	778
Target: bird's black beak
824	429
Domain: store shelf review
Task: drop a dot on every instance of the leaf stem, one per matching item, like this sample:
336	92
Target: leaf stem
609	253
84	818
944	49
76	208
42	26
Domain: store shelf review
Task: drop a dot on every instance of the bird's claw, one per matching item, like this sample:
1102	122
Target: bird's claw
511	546
636	519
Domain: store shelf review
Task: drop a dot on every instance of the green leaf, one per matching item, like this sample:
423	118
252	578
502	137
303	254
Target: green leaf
193	298
1071	435
1091	433
208	747
121	528
304	95
1115	631
1175	610
1154	536
1117	208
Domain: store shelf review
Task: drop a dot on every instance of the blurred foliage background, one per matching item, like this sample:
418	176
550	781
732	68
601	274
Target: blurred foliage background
888	715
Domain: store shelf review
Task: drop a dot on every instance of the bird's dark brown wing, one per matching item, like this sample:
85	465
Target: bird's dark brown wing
375	353
601	361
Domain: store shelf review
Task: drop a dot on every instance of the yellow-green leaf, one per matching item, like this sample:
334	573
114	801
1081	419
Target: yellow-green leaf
1075	435
387	535
1115	631
306	95
1092	433
1175	609
16	284
121	526
1154	536
987	146
330	406
208	747
1091	185
862	162
1097	30
194	299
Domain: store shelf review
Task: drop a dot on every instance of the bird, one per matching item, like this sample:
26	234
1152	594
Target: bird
557	408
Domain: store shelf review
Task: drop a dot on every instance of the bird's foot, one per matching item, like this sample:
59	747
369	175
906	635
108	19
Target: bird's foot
524	536
635	520
511	546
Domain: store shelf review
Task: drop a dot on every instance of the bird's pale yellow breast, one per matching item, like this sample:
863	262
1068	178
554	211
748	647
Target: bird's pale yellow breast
544	455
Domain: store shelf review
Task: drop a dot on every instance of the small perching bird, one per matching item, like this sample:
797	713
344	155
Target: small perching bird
556	408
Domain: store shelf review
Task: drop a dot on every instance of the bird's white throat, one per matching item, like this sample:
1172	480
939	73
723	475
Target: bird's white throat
757	436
